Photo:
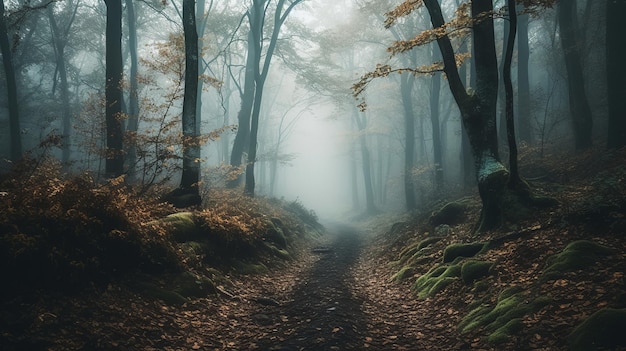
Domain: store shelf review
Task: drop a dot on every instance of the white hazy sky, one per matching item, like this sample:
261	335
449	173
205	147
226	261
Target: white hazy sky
319	176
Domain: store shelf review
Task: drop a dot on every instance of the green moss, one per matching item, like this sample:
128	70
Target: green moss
188	284
481	286
412	253
427	242
275	234
275	251
605	329
436	280
512	304
475	270
502	334
249	268
577	255
403	273
407	253
182	226
440	284
461	250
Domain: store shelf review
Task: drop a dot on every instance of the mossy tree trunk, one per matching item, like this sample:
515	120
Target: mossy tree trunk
478	110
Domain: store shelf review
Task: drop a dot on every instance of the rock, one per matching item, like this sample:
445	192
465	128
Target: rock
189	284
461	250
576	255
451	213
183	226
275	235
603	329
475	270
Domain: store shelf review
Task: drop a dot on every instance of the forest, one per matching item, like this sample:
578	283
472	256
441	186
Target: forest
313	175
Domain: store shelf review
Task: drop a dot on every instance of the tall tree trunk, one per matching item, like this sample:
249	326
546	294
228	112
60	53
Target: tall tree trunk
9	71
133	97
406	88
260	77
242	138
582	121
616	72
478	110
114	144
59	42
502	126
191	147
435	89
514	178
523	81
366	163
467	160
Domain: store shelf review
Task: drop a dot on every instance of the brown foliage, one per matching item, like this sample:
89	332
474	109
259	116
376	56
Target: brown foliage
65	232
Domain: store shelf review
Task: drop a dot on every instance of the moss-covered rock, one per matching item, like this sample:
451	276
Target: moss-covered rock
451	213
577	255
248	268
603	329
475	270
453	251
503	319
182	226
277	252
275	233
503	333
404	273
412	252
189	285
436	280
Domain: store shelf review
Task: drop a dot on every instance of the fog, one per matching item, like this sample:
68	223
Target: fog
337	154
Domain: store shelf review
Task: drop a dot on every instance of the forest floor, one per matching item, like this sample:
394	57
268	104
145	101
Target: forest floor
339	293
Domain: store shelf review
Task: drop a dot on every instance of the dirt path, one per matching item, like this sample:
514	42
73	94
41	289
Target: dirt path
325	313
337	297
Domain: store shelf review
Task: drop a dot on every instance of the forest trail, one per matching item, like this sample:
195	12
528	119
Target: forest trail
344	300
324	312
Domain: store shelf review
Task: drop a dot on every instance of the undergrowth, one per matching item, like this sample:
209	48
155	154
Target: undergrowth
67	232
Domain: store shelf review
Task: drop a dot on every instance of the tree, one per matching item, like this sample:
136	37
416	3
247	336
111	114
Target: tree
366	162
616	72
258	62
113	90
191	143
435	89
514	178
582	121
523	83
59	41
133	97
478	108
9	71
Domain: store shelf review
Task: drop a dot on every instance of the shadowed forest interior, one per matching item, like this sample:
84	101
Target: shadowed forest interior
313	175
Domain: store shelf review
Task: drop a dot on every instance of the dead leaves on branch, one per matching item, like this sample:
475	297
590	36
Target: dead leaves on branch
385	70
402	10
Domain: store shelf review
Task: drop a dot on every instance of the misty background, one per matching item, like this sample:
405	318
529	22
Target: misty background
314	143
